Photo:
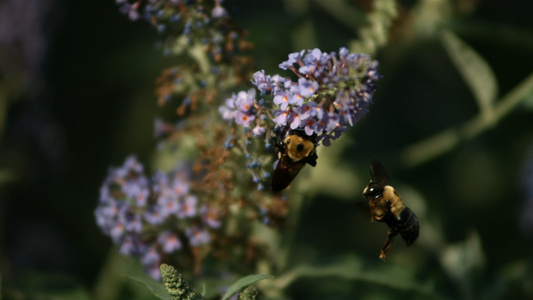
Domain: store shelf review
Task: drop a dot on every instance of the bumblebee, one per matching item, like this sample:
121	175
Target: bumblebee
386	206
295	149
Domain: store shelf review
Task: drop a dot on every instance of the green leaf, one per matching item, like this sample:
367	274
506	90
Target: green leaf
528	102
244	282
462	262
6	176
155	287
461	259
475	71
50	286
352	268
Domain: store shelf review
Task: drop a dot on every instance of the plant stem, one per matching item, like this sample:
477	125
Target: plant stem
448	139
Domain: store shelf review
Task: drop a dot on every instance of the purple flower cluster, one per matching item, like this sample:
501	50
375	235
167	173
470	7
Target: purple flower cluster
148	218
330	96
242	108
179	16
186	25
156	9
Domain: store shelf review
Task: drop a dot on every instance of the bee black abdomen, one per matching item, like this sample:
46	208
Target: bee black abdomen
282	178
409	226
284	174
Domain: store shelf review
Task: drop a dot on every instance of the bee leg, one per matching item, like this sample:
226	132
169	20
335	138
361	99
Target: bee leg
388	245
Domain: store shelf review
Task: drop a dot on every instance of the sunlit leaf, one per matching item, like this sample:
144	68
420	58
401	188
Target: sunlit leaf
448	139
459	260
475	71
375	33
528	101
244	282
346	183
155	287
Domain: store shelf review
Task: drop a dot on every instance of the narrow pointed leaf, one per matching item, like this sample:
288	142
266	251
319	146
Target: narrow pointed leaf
244	282
475	71
155	287
353	268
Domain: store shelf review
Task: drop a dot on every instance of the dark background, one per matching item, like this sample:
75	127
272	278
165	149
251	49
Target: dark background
91	103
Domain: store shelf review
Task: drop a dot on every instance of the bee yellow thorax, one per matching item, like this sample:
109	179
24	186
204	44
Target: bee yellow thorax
298	148
396	204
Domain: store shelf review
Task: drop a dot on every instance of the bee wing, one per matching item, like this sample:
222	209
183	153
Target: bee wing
378	173
285	173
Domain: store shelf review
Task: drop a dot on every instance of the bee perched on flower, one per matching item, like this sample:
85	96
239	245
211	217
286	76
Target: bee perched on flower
295	149
331	95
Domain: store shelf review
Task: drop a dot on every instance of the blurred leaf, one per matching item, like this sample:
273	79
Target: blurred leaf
352	268
346	183
475	71
520	93
197	52
448	139
429	15
155	287
244	282
462	260
6	176
431	147
304	35
528	102
516	276
343	12
51	286
111	282
375	34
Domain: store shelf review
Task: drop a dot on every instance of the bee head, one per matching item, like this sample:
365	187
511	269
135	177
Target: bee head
373	189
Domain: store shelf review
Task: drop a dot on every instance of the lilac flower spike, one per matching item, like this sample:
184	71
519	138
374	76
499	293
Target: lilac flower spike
240	108
293	58
132	205
218	12
169	241
331	95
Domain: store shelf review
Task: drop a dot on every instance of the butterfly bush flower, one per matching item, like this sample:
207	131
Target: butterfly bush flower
204	22
240	108
197	236
331	94
169	242
181	216
133	207
204	35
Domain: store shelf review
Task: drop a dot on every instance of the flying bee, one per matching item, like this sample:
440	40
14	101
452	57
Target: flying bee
295	149
386	206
